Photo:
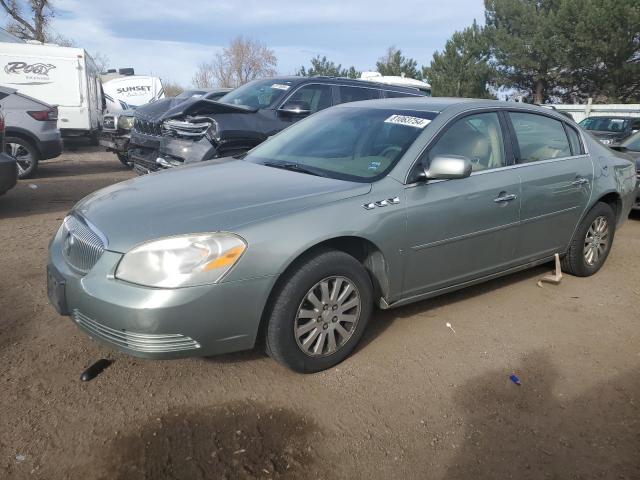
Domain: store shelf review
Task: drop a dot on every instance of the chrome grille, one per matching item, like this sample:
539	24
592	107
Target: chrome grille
139	342
146	127
82	247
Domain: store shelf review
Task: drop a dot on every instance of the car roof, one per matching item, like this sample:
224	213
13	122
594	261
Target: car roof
356	82
439	104
424	104
610	117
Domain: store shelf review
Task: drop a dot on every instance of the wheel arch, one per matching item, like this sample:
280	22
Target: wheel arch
614	200
24	135
362	249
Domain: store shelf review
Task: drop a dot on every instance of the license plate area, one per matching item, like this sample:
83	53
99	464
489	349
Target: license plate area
56	290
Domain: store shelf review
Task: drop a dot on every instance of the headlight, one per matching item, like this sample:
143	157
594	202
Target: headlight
125	123
182	261
606	141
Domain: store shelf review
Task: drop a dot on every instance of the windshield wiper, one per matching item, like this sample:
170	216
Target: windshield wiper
293	167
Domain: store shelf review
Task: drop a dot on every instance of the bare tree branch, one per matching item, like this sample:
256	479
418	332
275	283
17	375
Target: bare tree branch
29	29
242	61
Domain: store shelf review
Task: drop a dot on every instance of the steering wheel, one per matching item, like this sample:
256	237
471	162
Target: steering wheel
391	149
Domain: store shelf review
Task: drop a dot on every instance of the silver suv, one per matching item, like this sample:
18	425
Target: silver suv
31	130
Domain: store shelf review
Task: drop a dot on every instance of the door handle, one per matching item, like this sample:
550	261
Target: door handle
579	182
505	198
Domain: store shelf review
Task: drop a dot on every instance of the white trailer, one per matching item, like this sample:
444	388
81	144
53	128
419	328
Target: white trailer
131	91
62	76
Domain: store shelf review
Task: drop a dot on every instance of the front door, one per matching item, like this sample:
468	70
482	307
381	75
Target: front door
459	230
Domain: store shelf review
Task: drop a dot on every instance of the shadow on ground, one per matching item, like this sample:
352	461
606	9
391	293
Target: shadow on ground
535	431
239	441
383	319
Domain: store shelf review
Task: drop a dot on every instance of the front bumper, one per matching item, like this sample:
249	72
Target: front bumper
8	173
117	142
157	323
178	151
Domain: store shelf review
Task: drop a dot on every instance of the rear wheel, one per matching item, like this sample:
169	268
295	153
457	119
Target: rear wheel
592	242
25	154
320	312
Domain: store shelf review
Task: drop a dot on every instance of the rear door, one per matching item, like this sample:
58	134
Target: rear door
557	178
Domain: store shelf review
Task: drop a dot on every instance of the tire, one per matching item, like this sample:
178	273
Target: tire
124	159
336	269
94	139
25	153
590	232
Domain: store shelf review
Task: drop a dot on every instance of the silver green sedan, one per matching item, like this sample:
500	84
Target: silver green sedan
379	203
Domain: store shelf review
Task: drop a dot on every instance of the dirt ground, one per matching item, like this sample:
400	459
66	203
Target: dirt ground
416	401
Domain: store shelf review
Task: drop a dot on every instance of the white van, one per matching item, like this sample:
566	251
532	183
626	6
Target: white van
62	76
131	91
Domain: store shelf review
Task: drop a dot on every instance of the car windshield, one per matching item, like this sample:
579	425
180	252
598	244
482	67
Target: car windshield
349	143
605	124
632	143
258	94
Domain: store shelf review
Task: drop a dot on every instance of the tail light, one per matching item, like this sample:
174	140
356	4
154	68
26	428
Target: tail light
45	115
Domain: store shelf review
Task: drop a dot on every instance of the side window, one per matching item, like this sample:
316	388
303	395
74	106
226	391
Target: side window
318	97
477	137
635	125
355	94
539	137
394	94
574	140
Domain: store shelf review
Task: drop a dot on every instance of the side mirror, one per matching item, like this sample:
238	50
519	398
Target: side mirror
295	108
445	167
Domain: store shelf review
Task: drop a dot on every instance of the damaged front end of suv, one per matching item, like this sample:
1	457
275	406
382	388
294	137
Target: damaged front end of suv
207	130
116	133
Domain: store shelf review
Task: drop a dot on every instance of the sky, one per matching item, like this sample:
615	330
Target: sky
169	38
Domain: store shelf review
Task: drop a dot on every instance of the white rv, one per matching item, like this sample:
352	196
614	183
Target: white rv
131	91
424	87
62	76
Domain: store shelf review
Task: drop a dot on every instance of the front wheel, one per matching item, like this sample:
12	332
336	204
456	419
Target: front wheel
124	159
320	312
25	154
592	242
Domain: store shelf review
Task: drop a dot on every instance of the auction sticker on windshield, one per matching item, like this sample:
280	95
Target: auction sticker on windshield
409	121
279	86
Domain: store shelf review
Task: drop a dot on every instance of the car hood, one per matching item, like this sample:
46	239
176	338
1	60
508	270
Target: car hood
205	107
155	110
204	197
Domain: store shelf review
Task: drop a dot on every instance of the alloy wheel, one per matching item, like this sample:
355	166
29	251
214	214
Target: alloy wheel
22	156
327	316
596	240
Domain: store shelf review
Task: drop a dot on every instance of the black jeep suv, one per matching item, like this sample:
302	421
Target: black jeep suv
243	118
